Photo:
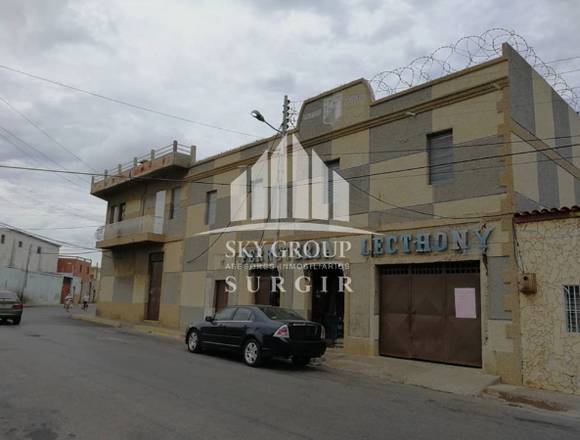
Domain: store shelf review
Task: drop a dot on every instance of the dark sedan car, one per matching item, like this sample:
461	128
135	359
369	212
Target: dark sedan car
10	306
258	333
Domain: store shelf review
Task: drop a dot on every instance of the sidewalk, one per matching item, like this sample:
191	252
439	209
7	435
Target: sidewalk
447	378
151	329
440	377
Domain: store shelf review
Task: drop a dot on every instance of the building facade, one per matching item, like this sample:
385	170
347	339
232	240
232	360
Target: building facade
76	272
94	282
28	266
428	180
548	244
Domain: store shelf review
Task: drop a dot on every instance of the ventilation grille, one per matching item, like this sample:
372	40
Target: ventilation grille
431	268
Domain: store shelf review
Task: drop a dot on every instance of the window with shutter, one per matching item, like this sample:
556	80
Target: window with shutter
211	198
174	202
440	151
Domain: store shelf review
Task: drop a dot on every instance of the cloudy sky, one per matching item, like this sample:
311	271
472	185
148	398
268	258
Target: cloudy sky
208	61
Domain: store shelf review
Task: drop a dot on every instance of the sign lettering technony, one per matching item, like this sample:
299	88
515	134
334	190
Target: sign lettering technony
425	242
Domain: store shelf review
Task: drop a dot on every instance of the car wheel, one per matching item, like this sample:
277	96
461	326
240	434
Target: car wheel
300	361
252	353
193	342
16	321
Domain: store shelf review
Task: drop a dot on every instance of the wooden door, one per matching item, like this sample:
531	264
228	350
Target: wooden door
263	293
155	278
221	295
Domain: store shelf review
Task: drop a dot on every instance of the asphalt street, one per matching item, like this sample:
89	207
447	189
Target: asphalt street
65	379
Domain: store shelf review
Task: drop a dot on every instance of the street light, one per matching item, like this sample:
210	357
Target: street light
257	115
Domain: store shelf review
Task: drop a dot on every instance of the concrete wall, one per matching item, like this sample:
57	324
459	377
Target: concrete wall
551	250
539	113
36	288
12	254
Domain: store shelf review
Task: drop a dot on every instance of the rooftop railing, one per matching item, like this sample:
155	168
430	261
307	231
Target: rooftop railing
174	148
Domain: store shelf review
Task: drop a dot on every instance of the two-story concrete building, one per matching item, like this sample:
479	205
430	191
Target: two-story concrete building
420	189
28	266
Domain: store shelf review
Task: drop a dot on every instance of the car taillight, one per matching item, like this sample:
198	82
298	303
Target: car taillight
322	332
17	306
282	332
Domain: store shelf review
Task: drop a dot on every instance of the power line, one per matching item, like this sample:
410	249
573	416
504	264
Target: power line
213	243
42	237
27	154
422	149
495	156
450	147
391	177
43	131
64	228
125	103
562	59
569	71
72	213
392	204
469	170
87	173
35	149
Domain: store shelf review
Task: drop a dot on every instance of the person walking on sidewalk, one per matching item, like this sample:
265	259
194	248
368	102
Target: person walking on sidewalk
68	301
86	302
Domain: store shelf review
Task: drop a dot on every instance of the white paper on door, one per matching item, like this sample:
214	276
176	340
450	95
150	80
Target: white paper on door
465	303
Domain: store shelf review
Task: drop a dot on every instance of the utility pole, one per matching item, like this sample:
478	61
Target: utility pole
285	114
26	271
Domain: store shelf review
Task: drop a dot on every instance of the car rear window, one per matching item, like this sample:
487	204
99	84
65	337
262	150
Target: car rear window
225	314
8	296
243	314
277	313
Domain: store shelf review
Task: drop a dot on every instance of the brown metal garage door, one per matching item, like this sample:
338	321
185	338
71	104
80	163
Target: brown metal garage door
418	317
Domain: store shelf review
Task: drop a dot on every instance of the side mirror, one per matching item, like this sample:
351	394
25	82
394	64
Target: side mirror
209	318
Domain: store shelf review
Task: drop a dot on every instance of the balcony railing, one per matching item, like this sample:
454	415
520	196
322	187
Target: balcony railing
134	230
174	155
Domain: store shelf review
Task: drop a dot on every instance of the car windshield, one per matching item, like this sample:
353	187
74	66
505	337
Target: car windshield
279	314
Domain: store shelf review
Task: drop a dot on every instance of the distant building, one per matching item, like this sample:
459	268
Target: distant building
95	281
76	273
28	266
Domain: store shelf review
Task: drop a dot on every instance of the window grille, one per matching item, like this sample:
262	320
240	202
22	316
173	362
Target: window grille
572	305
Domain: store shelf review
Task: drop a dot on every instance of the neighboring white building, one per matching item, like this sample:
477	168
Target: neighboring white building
28	266
23	251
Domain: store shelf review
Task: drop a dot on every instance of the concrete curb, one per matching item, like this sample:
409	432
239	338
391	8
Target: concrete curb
97	320
146	329
158	331
541	399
